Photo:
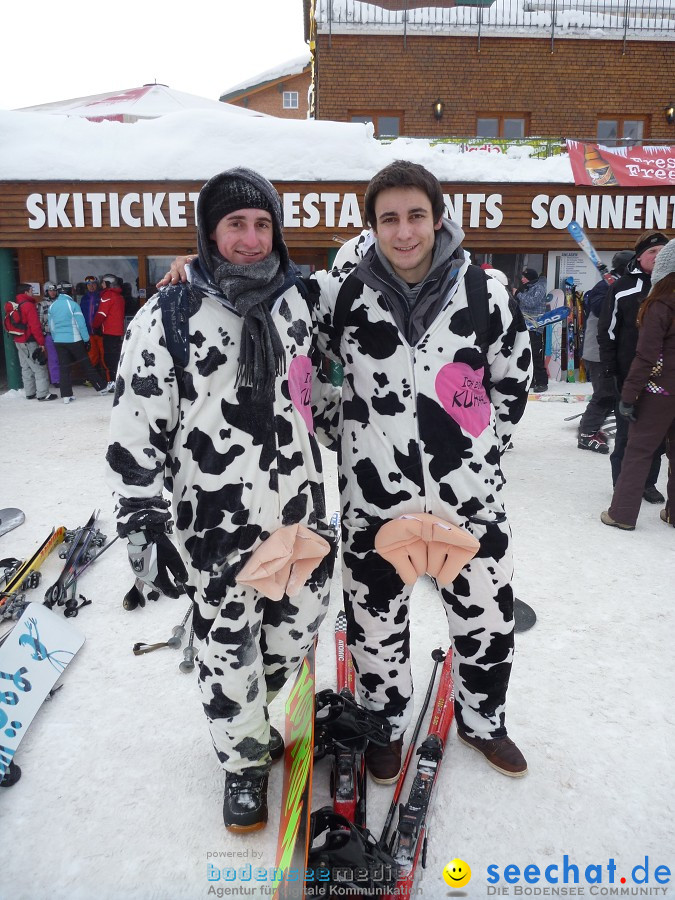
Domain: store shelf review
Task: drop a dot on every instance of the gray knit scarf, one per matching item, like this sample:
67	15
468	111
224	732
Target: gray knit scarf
249	288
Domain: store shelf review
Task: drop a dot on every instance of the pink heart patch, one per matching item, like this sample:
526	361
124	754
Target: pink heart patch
300	388
462	393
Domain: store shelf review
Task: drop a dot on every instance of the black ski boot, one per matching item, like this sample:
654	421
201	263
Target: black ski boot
245	803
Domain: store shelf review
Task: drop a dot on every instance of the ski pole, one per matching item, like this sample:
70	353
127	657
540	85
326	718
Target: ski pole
177	635
438	657
189	653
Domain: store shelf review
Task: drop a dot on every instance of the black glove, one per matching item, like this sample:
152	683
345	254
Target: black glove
156	562
627	410
87	346
39	354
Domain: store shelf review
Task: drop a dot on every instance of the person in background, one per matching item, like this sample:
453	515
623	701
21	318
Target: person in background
590	435
50	294
531	297
110	319
89	306
648	398
617	340
30	343
71	339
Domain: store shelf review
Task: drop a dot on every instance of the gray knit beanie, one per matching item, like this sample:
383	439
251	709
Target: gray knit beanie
664	263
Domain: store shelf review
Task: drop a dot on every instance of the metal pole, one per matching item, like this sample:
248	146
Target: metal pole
405	25
625	26
553	15
8	292
480	22
330	24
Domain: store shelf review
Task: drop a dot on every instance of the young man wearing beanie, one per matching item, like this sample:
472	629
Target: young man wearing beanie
532	301
617	340
214	399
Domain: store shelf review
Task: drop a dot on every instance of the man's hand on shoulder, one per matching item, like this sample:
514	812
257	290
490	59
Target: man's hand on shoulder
177	272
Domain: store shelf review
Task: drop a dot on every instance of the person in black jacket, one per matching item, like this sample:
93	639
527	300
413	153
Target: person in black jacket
590	435
617	339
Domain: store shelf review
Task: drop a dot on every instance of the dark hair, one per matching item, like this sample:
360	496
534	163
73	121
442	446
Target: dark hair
23	288
402	173
665	287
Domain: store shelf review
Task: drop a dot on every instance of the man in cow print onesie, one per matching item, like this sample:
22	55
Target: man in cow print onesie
419	433
229	432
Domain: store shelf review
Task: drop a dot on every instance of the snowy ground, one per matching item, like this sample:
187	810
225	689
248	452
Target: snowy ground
121	793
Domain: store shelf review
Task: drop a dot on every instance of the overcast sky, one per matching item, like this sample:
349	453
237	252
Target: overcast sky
56	51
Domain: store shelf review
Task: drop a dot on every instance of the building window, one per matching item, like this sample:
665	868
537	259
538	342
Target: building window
501	126
611	131
290	99
385	125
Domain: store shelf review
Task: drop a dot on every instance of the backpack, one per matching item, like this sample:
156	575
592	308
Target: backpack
475	284
14	321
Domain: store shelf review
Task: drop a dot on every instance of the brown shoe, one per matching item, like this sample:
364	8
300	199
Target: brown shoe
606	519
501	753
666	518
384	763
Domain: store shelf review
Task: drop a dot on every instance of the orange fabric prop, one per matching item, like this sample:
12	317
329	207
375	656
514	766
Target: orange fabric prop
283	563
419	543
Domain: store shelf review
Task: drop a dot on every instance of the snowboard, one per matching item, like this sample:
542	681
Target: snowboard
10	518
296	796
554	332
548	318
524	616
32	657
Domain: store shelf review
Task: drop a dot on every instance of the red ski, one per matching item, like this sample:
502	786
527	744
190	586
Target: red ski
408	840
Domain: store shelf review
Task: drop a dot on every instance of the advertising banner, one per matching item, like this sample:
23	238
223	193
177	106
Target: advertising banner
625	166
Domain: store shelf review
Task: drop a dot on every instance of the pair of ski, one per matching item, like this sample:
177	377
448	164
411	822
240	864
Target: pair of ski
332	847
79	555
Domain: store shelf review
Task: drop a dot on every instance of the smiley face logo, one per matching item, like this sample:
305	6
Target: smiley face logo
457	873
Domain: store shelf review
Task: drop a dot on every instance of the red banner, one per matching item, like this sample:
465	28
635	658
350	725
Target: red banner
402	5
625	166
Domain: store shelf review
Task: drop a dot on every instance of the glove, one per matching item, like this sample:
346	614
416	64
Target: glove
87	346
156	562
627	410
39	354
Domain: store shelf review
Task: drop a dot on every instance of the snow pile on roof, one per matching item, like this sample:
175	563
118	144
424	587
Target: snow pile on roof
147	102
196	144
282	70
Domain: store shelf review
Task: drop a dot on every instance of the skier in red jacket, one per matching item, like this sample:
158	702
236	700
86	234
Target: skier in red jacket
23	324
110	319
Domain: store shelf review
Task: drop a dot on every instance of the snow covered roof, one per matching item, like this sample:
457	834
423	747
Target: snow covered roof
147	102
282	70
196	144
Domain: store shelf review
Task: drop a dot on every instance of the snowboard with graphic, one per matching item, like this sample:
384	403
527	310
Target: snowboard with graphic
32	658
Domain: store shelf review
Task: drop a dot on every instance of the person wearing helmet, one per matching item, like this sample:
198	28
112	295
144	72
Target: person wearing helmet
89	304
49	296
110	319
590	435
71	339
22	322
